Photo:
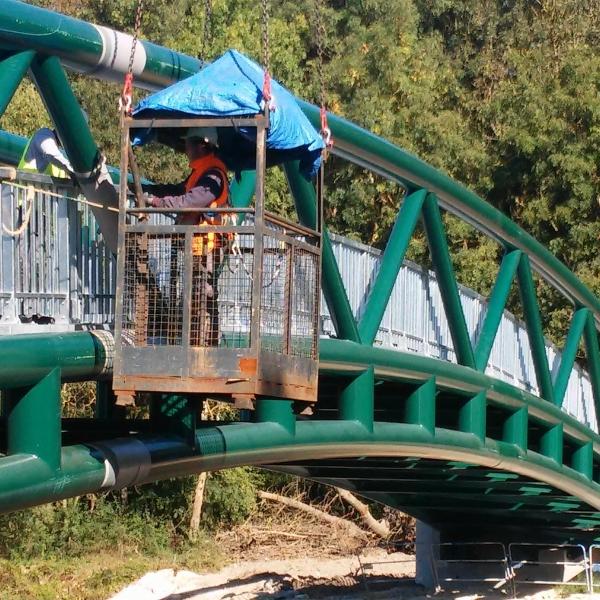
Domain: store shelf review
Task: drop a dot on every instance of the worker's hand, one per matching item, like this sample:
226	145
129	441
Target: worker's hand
152	200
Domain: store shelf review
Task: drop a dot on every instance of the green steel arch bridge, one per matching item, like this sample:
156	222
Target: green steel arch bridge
467	453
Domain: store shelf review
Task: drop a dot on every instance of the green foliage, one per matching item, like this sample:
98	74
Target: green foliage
230	496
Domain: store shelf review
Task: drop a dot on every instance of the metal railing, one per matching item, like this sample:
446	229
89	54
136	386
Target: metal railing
521	564
59	268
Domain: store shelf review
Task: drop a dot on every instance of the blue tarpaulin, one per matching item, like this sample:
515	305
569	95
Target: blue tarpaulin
231	86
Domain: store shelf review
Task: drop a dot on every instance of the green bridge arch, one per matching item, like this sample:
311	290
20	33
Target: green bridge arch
445	442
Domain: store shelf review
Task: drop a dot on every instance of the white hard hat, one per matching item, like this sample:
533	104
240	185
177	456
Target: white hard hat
205	134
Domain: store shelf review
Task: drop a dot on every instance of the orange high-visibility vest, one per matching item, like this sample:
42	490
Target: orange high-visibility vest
211	240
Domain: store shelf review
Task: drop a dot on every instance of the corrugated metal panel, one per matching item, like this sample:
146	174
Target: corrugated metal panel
60	267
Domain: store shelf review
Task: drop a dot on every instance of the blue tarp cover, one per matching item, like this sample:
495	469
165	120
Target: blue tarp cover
231	86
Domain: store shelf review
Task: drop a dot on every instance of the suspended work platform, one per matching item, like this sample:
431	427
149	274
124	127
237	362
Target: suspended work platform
176	331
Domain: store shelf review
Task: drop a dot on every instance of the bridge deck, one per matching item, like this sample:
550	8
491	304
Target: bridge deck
59	268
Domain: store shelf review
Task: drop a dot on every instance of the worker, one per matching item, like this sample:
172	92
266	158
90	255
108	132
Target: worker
43	154
206	186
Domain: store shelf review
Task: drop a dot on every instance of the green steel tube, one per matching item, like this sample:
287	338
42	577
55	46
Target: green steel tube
535	332
333	287
87	48
33	420
495	308
11	148
90	48
569	354
66	113
27	359
390	265
26	480
593	362
444	270
13	68
357	399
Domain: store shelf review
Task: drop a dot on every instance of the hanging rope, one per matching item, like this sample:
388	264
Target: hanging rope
207	33
29	196
267	96
126	99
320	35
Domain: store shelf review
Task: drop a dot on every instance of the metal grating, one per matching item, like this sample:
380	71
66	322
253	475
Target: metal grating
152	290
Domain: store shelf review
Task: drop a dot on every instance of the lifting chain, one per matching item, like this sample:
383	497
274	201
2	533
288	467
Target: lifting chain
320	35
207	33
267	97
126	99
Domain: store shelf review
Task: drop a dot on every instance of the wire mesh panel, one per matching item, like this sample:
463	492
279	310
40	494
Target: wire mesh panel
188	300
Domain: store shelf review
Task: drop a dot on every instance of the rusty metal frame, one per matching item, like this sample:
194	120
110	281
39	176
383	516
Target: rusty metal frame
258	372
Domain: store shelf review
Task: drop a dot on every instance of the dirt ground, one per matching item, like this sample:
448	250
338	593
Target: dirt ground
283	556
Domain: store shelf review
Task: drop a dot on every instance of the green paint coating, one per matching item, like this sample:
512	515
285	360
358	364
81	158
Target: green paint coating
593	361
495	308
420	406
569	354
13	68
65	111
356	401
11	148
440	256
80	44
551	443
176	415
515	429
276	410
583	460
390	264
472	416
26	359
33	420
533	323
29	481
332	284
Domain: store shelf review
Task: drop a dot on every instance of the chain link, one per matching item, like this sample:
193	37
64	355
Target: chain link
136	33
320	35
207	33
126	98
265	36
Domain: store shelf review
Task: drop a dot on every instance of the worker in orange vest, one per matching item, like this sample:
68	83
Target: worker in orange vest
206	186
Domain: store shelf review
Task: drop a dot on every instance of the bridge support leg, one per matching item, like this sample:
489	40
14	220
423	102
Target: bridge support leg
275	410
33	420
428	551
356	400
177	415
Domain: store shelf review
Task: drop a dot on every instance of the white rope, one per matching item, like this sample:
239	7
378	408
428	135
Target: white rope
55	195
29	196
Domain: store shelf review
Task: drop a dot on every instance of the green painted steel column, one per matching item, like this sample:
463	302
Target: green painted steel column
332	284
420	406
390	265
472	416
535	332
495	308
27	359
593	361
13	68
66	113
276	410
33	421
551	443
569	354
177	415
242	188
515	428
440	256
356	402
583	460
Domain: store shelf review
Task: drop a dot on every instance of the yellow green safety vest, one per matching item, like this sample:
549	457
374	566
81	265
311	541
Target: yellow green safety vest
30	166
